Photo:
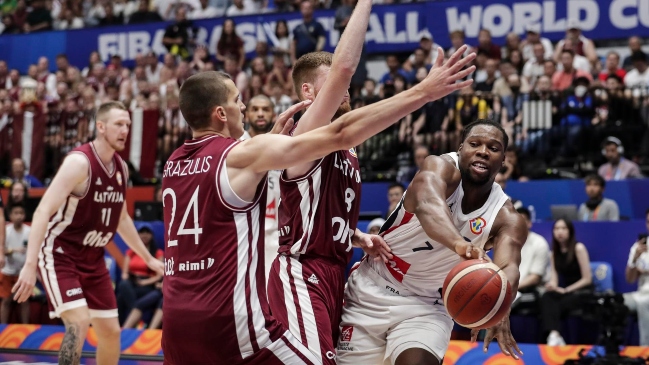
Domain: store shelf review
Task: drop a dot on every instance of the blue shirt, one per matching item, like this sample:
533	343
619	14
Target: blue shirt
306	37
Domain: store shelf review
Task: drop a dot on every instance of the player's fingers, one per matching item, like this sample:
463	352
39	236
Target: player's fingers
456	56
474	335
462	74
294	109
461	85
515	347
287	127
439	62
462	63
504	348
487	340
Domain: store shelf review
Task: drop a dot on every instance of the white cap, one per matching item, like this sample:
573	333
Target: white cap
534	28
376	222
573	24
28	83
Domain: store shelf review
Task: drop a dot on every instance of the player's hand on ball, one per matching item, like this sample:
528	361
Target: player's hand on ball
25	285
156	265
503	334
468	251
284	122
373	245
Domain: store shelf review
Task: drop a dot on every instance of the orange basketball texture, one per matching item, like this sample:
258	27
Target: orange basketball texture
477	294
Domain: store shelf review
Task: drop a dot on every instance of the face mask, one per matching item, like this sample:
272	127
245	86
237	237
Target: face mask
580	91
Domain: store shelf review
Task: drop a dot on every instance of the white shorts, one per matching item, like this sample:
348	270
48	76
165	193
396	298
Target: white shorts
378	324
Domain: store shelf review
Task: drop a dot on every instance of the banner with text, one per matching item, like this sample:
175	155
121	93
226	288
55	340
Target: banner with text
392	28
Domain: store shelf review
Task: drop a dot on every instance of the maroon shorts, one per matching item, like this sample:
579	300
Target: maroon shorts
71	281
306	296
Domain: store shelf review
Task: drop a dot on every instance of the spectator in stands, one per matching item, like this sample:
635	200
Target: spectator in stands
260	116
39	19
635	45
424	56
502	181
152	300
343	13
512	108
395	192
638	76
18	195
179	38
240	7
579	62
578	110
15	247
617	167
534	68
205	11
485	44
564	78
8	25
230	44
282	49
582	45
637	269
512	43
533	38
375	225
502	86
137	279
513	168
612	67
308	36
18	174
420	152
570	280
68	20
534	264
491	70
457	41
144	15
597	208
394	69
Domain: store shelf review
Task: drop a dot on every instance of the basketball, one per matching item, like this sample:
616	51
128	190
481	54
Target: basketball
477	294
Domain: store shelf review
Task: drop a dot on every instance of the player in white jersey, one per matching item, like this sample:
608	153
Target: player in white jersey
260	114
394	312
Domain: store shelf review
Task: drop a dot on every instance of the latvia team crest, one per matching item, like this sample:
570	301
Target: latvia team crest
353	152
119	178
477	225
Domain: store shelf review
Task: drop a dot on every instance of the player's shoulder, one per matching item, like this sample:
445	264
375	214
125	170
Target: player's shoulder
508	217
76	159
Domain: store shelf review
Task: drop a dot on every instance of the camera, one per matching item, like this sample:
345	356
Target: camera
609	311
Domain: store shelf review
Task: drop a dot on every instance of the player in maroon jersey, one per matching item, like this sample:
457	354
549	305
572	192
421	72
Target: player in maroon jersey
77	216
214	189
320	203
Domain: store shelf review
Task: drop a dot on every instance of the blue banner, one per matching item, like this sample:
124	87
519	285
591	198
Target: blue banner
392	28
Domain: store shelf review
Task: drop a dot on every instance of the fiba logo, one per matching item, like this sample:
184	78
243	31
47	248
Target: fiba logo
169	266
477	225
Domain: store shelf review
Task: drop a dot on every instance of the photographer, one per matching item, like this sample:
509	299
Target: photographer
637	269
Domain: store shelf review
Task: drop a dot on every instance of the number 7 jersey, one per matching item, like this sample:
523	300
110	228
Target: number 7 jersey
421	264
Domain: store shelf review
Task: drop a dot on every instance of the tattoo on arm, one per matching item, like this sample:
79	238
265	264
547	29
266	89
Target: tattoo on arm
69	355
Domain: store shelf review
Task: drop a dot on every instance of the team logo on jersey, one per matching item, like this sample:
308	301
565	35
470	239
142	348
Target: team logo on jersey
119	178
398	268
353	152
477	225
346	333
169	266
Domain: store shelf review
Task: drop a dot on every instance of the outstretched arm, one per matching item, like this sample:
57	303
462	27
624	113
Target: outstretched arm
426	198
249	160
509	236
72	172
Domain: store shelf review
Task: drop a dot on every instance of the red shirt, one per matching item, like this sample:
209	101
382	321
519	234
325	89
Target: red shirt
137	266
619	72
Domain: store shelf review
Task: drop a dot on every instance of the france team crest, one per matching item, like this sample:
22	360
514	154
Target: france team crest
353	152
477	225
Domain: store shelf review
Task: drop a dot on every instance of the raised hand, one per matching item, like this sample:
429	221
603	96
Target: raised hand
284	122
442	78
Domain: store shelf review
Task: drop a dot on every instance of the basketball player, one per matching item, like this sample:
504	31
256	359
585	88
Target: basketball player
260	114
320	202
78	215
394	312
214	188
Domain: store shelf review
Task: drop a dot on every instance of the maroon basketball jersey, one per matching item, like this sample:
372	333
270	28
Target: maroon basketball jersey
318	212
215	309
84	225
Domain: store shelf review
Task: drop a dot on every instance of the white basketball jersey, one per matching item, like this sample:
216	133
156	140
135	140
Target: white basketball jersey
421	264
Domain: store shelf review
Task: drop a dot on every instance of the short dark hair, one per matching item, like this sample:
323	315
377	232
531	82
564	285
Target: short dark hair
396	185
306	66
14	206
488	122
614	76
638	56
200	94
567	50
524	211
595	178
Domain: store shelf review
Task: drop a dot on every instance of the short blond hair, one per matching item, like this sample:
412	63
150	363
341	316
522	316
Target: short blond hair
106	107
306	66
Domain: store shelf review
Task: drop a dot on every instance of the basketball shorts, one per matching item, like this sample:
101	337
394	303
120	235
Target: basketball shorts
378	324
306	296
71	282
